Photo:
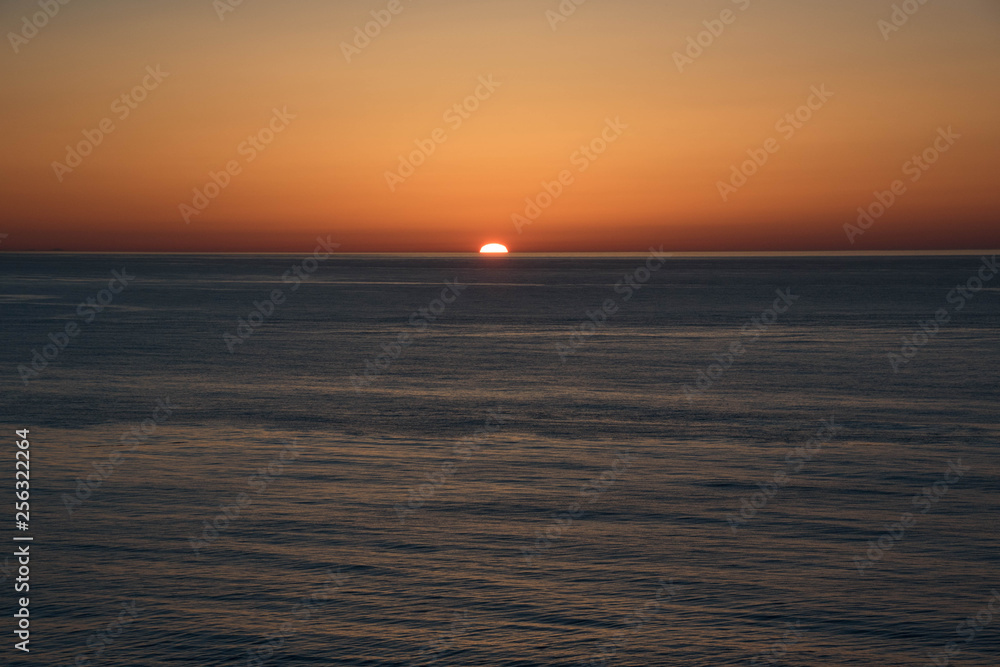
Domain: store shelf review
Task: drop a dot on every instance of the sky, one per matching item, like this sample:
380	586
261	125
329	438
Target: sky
258	126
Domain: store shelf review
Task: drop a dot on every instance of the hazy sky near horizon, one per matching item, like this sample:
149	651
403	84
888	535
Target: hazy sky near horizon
343	125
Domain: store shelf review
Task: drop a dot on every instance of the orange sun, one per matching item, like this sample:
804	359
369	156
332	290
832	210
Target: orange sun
493	249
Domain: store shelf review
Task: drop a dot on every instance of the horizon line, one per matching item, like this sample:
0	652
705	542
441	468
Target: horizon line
585	253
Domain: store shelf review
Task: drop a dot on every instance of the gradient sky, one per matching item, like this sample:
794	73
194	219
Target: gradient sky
657	184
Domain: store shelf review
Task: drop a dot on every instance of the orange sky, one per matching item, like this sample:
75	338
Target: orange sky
553	91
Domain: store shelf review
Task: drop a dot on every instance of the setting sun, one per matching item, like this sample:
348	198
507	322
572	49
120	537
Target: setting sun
493	249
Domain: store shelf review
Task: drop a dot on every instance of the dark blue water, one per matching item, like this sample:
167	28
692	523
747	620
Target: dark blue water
401	472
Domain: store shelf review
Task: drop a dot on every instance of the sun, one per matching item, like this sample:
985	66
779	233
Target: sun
493	249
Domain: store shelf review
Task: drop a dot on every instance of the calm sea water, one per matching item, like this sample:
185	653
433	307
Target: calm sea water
480	498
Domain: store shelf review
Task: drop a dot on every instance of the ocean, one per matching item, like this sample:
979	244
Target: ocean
510	461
